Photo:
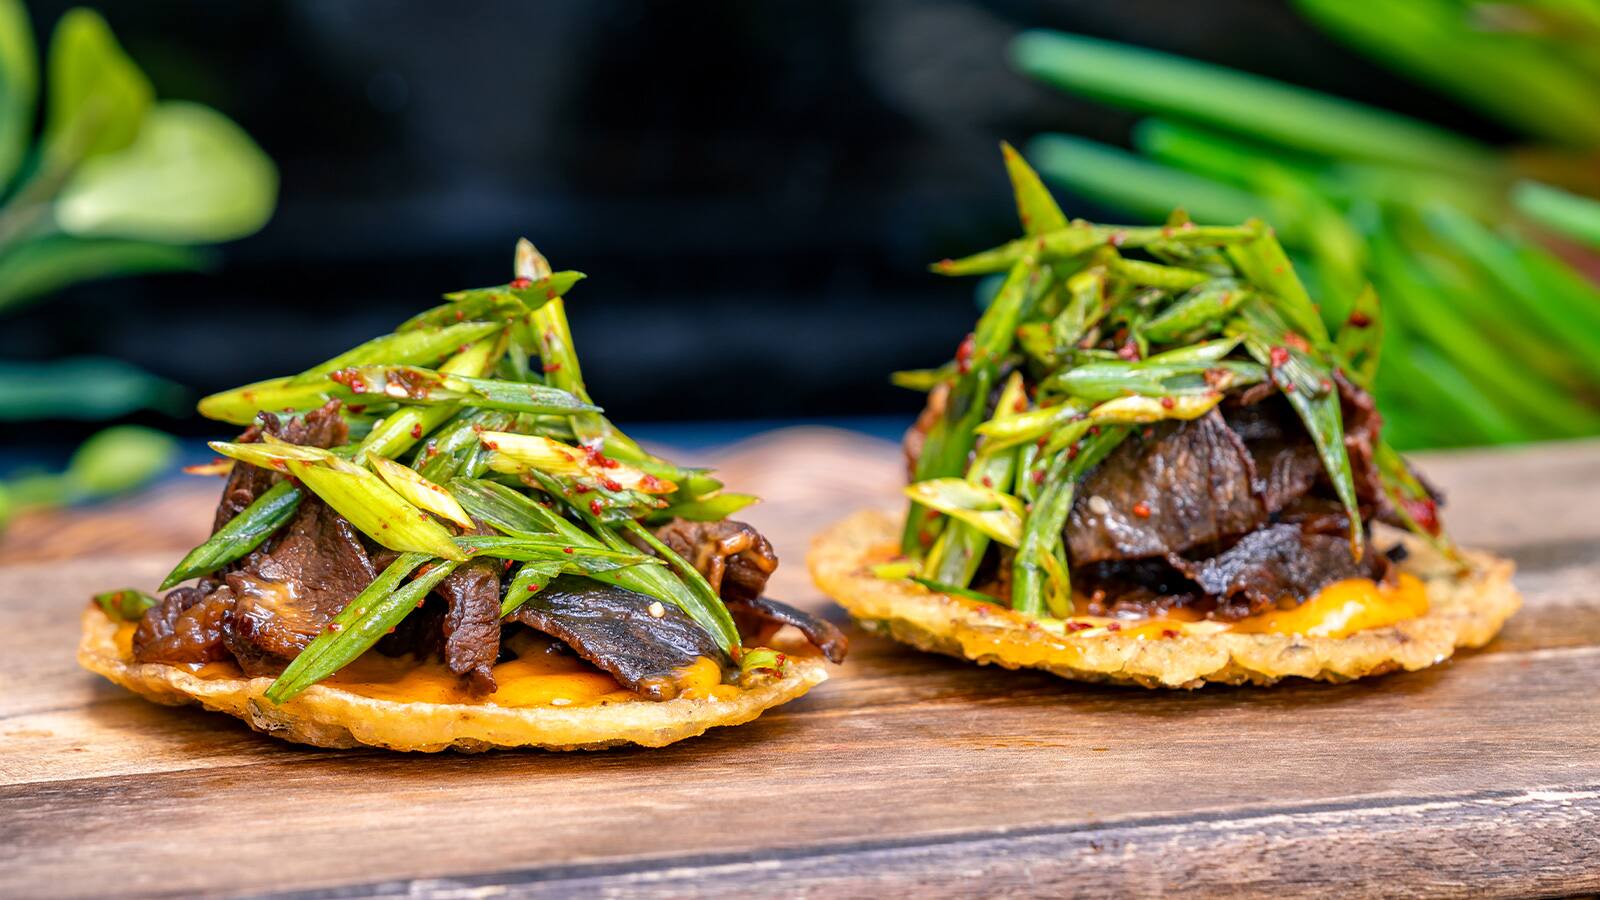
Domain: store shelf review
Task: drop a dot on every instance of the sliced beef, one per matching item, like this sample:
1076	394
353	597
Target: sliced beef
472	622
246	482
1286	462
1188	484
1273	563
322	427
759	615
285	596
1137	587
732	555
1361	425
615	630
187	626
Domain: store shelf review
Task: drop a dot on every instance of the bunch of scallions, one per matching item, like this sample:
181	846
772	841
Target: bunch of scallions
474	410
1479	251
1116	327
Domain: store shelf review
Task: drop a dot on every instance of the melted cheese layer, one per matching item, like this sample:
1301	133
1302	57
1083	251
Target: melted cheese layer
537	677
1338	610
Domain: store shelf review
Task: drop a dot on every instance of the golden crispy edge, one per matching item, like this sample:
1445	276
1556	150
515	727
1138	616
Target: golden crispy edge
1465	610
331	717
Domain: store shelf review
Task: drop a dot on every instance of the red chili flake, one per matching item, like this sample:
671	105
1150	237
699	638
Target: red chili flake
1168	633
521	284
463	348
964	352
1168	403
1288	387
1078	626
550	294
1129	351
390	631
416	431
1072	452
988	482
1021	405
1148	433
1279	357
925	537
649	484
386	525
551	367
566	549
946	263
1326	385
1141	509
1094	430
1215	377
335	626
1297	342
492	445
1359	319
1043	440
596	507
611	484
1425	512
581	488
1038	476
1116	238
356	408
532	588
1114	626
460	315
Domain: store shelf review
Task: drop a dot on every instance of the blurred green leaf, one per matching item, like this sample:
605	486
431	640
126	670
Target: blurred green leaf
1561	211
84	387
98	96
50	264
119	459
1150	81
19	87
192	176
1525	83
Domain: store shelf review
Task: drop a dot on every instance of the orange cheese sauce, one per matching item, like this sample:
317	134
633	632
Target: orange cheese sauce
1344	608
537	677
1338	610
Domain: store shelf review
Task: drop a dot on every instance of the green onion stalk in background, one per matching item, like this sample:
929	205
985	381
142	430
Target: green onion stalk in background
1492	334
114	182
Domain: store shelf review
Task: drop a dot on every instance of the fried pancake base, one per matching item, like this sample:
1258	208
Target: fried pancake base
331	717
1464	610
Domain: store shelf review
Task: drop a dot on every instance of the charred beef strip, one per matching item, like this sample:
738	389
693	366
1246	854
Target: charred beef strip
286	595
732	555
198	624
1188	484
760	615
1273	563
640	641
472	621
187	626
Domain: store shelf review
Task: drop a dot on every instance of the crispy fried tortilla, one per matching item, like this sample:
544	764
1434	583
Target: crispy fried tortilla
1464	610
328	716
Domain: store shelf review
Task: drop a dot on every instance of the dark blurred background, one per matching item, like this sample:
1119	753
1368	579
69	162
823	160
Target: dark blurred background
755	189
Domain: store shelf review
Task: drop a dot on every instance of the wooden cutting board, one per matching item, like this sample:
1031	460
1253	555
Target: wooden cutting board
904	773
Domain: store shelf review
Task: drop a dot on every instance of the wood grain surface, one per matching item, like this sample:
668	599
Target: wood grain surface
904	774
